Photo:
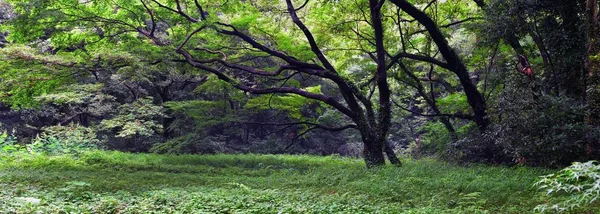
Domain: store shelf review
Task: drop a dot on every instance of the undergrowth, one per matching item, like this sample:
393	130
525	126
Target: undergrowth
115	182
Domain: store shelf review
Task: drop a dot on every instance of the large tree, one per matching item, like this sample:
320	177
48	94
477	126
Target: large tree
260	46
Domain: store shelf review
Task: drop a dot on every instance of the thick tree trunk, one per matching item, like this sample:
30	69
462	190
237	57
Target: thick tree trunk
373	154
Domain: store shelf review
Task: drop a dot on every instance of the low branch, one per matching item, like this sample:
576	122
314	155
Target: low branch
394	59
285	90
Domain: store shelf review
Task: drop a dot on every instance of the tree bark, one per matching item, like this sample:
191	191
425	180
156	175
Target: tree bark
373	154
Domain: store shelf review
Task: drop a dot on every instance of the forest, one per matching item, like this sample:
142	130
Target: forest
299	106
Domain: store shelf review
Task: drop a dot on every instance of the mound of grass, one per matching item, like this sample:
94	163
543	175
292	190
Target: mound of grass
115	182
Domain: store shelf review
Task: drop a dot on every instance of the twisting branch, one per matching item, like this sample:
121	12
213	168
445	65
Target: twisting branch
178	11
346	88
187	39
394	59
455	64
251	41
200	10
256	71
303	5
429	5
311	40
284	90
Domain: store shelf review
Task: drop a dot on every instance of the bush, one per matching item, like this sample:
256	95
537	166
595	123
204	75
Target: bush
191	144
435	138
580	183
8	143
545	131
65	140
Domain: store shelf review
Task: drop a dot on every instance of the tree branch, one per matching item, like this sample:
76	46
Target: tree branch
178	11
285	90
151	12
311	40
446	25
394	59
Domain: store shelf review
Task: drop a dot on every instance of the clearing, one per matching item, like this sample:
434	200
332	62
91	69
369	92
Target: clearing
115	182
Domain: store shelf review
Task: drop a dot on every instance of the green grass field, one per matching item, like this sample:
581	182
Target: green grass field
114	182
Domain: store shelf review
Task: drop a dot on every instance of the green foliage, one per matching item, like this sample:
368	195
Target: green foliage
191	144
548	131
216	88
75	191
453	103
8	143
206	114
101	181
436	137
291	104
76	95
580	183
71	139
136	119
26	73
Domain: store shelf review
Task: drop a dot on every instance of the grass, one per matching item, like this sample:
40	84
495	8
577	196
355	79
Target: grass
115	182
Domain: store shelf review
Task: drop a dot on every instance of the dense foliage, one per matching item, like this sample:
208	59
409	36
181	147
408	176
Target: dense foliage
139	75
512	82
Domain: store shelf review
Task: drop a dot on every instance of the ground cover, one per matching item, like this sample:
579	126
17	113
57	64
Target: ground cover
115	182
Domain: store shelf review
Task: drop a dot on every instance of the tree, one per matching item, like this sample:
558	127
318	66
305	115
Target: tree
257	47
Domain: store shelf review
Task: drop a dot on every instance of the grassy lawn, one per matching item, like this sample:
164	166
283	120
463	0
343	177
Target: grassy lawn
114	182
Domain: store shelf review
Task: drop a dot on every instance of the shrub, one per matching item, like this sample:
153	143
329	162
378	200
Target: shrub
191	144
435	138
65	140
580	183
8	143
546	131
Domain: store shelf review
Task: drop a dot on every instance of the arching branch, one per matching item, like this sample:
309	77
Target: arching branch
285	90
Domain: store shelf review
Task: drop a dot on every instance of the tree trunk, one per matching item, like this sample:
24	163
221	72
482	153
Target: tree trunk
391	155
454	62
373	154
450	128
